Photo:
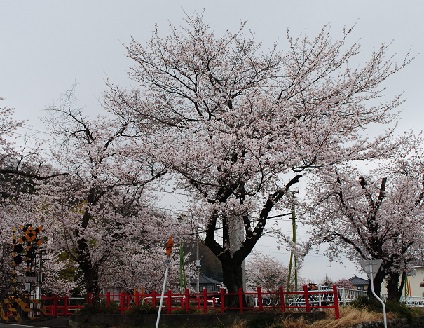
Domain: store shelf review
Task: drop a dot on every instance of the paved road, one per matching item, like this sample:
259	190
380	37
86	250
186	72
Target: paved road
50	323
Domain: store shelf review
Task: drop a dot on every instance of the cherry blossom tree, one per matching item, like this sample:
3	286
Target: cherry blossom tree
100	213
374	216
238	126
266	272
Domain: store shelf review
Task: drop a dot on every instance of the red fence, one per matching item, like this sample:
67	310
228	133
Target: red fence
205	302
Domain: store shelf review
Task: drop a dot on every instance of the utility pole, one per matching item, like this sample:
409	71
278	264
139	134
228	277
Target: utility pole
293	261
197	261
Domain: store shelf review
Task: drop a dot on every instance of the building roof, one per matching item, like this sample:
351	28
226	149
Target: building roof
206	280
356	281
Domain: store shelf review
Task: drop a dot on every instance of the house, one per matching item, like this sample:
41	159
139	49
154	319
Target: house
210	284
359	283
415	283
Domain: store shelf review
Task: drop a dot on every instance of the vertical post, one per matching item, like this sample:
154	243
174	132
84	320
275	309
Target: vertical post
168	302
222	298
293	261
65	306
168	249
282	300
240	299
90	298
108	299
381	301
205	300
137	298
197	262
163	292
154	298
260	305
187	299
336	301
306	296
122	302
55	305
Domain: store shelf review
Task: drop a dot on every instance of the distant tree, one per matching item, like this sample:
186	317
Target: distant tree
375	216
344	283
238	127
266	272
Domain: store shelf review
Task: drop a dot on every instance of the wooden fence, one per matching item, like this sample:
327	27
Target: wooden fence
205	302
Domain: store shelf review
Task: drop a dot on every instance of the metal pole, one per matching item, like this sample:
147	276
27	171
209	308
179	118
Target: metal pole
197	261
381	301
167	261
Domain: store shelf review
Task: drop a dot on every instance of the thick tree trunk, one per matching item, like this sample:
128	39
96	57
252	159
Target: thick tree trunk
378	280
233	279
394	290
90	272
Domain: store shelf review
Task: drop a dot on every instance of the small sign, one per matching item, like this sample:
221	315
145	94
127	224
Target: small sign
27	279
371	266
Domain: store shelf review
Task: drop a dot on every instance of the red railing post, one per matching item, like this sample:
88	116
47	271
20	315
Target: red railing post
336	302
90	298
205	300
260	304
222	299
154	298
122	302
108	299
187	299
306	296
240	298
282	300
137	298
65	306
168	302
54	305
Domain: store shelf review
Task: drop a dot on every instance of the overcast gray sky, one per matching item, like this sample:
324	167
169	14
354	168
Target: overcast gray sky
48	45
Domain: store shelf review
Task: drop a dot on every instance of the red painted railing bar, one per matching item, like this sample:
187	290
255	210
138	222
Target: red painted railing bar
240	299
336	302
282	300
187	299
205	300
222	299
306	296
137	298
108	299
122	302
65	306
260	304
154	298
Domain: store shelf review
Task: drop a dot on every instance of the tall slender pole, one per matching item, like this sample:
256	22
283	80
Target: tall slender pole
167	261
197	262
381	301
168	247
293	260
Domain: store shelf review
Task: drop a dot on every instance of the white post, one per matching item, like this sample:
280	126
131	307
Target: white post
381	301
167	261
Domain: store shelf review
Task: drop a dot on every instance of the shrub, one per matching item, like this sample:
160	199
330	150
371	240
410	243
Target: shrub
101	308
145	308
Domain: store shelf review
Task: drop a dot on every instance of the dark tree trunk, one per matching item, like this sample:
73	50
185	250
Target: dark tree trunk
233	279
394	290
378	281
90	272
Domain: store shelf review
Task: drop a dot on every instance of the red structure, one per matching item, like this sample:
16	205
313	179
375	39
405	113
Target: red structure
305	300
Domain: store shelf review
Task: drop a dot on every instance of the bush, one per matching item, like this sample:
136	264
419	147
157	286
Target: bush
101	308
373	305
145	308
